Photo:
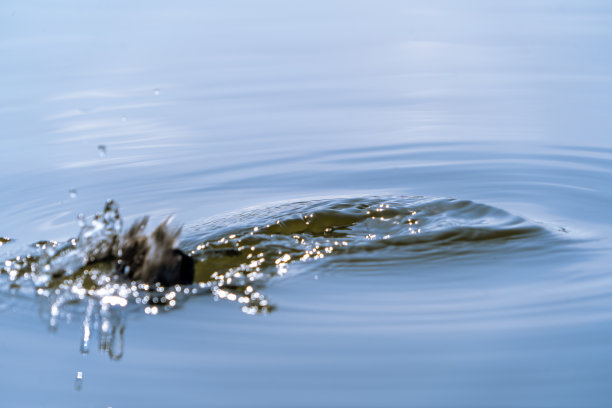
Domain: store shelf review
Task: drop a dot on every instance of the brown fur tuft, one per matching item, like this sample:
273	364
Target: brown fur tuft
154	258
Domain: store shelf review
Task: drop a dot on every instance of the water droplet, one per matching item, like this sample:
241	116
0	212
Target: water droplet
102	151
78	381
156	91
73	193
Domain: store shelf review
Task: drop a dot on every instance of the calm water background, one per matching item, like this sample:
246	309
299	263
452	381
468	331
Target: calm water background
212	107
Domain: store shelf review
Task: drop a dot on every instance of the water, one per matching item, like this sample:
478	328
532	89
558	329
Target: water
490	121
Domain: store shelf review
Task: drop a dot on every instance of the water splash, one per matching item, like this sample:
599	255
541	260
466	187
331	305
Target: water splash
236	255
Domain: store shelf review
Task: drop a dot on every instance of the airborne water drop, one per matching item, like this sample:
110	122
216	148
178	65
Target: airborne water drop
78	381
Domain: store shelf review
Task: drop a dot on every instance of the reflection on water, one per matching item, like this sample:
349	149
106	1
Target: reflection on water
236	255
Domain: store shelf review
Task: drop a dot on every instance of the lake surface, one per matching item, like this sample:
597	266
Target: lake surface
346	122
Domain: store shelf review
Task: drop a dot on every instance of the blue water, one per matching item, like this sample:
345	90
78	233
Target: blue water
236	114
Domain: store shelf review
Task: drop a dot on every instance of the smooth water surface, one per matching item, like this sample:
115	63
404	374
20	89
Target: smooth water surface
316	134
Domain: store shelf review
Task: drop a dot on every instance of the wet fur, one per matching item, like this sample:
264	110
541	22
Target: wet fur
154	258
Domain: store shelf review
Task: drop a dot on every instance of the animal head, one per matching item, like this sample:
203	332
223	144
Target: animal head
154	258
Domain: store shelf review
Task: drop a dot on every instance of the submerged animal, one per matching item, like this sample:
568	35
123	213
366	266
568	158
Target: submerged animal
154	258
101	248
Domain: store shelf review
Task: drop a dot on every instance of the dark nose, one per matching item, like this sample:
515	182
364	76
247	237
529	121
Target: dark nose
185	268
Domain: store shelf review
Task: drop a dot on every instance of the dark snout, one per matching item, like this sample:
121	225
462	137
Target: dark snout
185	267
